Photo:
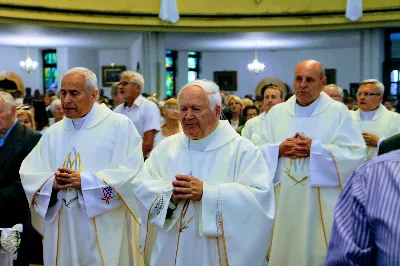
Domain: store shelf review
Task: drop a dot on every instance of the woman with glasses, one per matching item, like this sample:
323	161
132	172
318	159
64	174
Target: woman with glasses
171	125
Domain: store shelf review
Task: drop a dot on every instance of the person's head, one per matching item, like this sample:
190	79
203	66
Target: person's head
130	85
235	105
28	91
247	101
199	108
8	112
78	92
228	98
170	109
17	94
388	104
101	92
26	118
272	95
250	111
56	108
309	80
334	91
349	102
36	94
46	101
370	95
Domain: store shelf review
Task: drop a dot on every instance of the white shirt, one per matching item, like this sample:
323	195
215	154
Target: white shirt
144	114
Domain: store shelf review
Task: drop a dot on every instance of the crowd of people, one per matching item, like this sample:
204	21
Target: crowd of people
202	178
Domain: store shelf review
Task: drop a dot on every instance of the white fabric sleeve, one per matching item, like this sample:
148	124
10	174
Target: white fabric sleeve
42	199
270	153
151	117
322	171
380	141
208	213
97	197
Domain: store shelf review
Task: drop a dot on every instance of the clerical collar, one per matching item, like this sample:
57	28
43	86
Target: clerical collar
367	116
201	144
81	123
306	111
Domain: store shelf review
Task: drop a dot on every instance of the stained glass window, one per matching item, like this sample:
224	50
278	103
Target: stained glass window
394	88
170	72
50	71
193	66
394	76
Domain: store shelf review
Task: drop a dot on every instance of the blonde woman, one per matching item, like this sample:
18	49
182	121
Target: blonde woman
171	124
236	107
25	117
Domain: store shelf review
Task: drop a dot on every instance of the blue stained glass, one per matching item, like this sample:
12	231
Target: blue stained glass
394	88
50	78
169	83
394	76
192	75
167	52
169	61
50	58
192	62
192	53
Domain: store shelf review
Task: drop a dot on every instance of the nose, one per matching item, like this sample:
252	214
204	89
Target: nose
303	84
189	113
67	98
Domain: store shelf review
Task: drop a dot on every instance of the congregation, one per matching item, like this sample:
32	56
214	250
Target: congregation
200	178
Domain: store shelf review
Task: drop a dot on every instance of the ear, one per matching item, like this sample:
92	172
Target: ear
217	110
324	81
95	93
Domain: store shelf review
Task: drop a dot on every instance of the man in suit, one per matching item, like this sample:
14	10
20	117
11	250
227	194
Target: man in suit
16	142
389	144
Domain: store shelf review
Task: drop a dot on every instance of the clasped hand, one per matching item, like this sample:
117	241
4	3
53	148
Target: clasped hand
295	147
370	139
67	178
186	188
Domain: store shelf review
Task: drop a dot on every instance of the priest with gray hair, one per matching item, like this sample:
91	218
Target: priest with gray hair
76	179
199	180
334	91
373	119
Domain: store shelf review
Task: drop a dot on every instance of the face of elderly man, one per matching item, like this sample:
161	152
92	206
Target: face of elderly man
333	93
195	114
75	99
367	97
8	113
308	81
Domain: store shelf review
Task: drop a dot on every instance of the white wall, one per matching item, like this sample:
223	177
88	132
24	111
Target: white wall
281	64
10	58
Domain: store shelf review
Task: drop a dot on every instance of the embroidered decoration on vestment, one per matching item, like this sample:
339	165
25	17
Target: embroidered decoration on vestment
293	163
108	193
68	204
159	205
219	212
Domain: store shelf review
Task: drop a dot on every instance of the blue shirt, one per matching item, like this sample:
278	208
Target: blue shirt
3	139
366	228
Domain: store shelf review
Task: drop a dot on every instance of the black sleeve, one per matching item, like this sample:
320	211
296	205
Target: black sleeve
381	148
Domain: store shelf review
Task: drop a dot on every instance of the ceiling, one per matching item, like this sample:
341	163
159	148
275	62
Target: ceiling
263	40
48	37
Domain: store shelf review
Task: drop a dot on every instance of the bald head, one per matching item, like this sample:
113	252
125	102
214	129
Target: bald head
309	80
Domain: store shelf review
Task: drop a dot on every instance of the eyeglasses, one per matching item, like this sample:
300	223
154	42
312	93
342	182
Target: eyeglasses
23	107
124	83
172	108
366	94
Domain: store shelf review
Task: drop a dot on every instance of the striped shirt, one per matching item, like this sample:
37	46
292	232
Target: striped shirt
366	229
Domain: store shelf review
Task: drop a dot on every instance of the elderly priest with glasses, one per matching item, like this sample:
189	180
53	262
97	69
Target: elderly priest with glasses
375	122
209	200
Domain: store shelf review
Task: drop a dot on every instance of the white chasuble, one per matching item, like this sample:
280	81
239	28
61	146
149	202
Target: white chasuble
255	124
307	188
232	223
98	224
384	124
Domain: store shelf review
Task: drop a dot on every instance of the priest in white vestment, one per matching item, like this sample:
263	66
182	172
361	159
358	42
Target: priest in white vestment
313	146
375	122
77	179
272	95
209	200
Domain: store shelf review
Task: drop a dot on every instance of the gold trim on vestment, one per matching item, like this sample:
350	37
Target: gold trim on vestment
223	239
148	222
34	194
58	234
219	253
322	218
119	197
183	214
337	169
98	241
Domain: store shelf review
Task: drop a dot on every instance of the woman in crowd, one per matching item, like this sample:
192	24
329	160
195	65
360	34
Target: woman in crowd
40	115
236	107
26	117
171	124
